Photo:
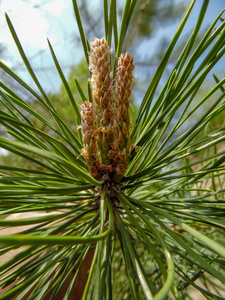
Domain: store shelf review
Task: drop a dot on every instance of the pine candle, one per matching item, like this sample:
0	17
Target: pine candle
106	122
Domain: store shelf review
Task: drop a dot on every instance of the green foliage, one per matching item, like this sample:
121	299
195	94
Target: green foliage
165	231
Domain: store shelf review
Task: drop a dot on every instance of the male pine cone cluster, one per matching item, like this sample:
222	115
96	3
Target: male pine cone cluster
106	122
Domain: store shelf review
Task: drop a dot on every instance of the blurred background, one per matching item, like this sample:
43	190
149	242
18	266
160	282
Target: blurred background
152	28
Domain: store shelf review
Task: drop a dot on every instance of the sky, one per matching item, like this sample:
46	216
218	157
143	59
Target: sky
35	20
151	45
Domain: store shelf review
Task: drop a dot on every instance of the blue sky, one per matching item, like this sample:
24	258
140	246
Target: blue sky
34	20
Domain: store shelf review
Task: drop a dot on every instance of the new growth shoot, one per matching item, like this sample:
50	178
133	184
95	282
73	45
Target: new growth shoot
106	122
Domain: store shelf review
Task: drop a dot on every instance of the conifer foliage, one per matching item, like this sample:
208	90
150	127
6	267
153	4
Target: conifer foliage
117	209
